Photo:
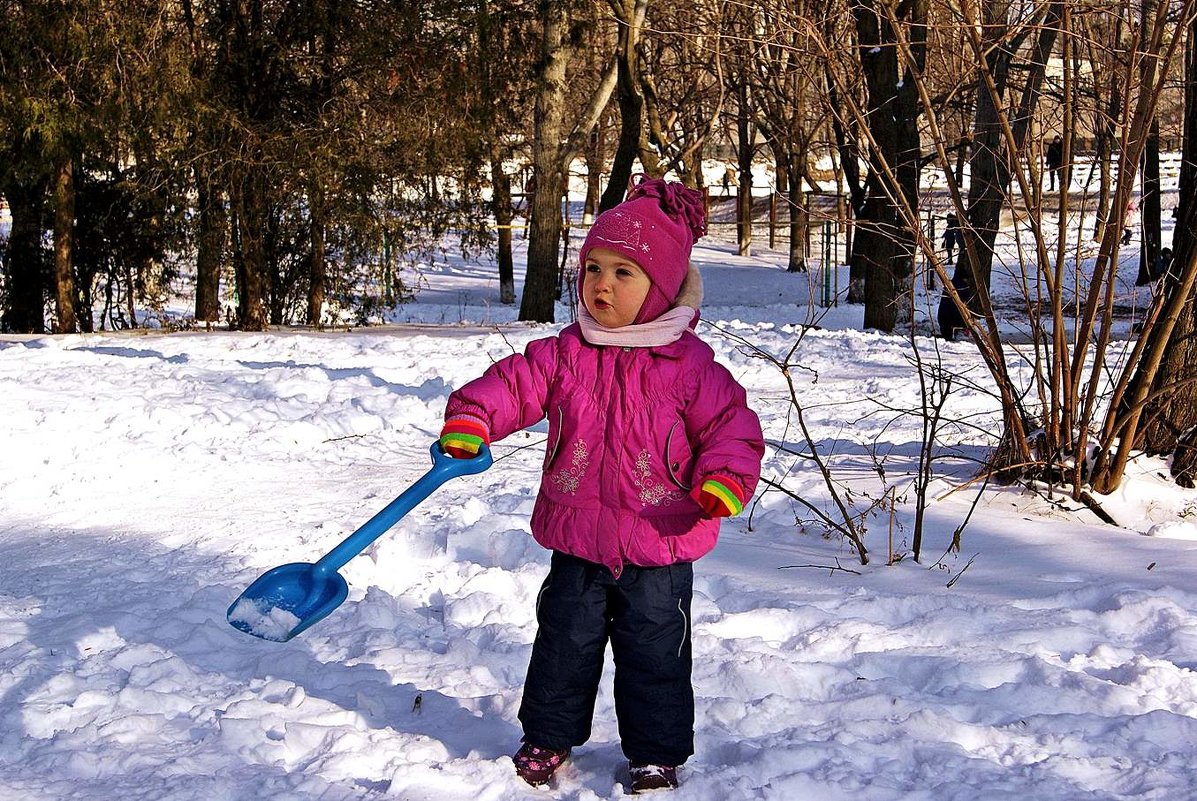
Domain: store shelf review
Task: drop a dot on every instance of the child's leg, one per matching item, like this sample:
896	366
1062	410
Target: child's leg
650	639
567	656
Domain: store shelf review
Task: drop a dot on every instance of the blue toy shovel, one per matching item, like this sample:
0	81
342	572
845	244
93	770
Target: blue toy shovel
288	599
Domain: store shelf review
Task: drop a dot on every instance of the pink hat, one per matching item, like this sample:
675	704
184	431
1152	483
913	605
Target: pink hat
655	227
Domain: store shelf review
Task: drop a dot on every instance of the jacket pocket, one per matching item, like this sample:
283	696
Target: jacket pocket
678	458
555	439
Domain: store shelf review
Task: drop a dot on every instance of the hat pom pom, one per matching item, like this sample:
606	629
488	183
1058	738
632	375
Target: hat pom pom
678	201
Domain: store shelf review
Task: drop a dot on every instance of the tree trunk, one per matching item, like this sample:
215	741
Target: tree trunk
504	215
875	252
209	248
544	238
1170	365
990	165
847	150
745	149
25	309
988	168
885	241
595	159
317	267
64	240
631	103
908	163
1149	206
1171	414
1157	408
799	215
501	205
1104	155
279	282
250	204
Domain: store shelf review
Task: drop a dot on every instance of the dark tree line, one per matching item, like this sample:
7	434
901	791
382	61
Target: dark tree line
297	149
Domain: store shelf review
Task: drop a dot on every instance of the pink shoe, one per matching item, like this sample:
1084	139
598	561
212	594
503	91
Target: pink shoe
537	765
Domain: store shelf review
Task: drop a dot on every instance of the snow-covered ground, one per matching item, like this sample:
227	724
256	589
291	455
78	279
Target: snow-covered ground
147	478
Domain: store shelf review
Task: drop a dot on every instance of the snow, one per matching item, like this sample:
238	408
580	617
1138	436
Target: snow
148	478
260	620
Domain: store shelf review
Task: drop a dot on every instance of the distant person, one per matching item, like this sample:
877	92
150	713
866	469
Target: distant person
1055	163
1130	222
952	237
652	444
1163	265
729	177
948	315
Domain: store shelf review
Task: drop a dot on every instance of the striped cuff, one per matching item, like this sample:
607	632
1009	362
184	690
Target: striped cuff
464	435
721	496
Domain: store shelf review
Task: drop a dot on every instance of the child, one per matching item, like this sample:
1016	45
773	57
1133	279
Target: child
1131	221
650	443
1055	163
952	236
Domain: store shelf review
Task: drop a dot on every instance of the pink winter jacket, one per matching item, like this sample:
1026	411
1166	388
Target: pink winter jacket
631	431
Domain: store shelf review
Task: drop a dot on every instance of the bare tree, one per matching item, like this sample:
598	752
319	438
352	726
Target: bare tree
890	51
740	123
558	138
681	80
790	115
629	95
1154	405
503	28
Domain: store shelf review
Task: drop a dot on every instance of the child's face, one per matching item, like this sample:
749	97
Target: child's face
614	287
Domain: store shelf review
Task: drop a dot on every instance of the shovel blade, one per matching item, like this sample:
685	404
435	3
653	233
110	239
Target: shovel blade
286	600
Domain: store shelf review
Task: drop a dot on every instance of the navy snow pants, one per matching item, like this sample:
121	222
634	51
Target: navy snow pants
646	615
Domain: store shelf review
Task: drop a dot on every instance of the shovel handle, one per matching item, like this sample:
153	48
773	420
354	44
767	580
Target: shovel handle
444	467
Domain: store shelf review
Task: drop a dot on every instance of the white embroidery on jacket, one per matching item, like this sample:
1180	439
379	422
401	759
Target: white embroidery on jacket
567	480
651	492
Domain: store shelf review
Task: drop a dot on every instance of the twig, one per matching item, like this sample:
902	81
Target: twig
784	365
956	577
826	518
786	449
519	448
985	477
830	568
1096	508
1083	497
338	439
506	341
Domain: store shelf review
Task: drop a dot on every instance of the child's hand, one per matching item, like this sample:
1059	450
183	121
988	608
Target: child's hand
719	496
463	436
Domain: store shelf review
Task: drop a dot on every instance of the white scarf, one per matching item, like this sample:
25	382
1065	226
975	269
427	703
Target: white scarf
664	330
